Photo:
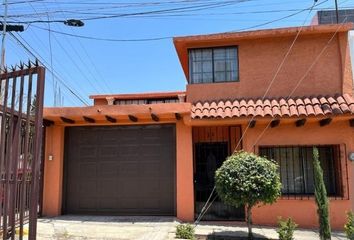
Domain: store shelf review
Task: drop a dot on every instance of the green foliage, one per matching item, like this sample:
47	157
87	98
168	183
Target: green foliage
349	226
247	179
321	198
286	229
185	231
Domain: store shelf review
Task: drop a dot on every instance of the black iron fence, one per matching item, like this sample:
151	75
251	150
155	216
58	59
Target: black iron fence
21	110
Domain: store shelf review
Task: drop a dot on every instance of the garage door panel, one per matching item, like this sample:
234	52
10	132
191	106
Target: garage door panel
107	188
120	170
107	170
87	204
107	151
87	170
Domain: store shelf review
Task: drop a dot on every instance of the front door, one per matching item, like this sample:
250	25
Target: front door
208	158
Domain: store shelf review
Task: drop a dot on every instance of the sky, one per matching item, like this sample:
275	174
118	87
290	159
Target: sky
144	63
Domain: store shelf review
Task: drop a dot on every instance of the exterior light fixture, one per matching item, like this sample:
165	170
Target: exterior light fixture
74	23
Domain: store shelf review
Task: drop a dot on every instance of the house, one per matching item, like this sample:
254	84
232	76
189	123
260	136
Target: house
156	153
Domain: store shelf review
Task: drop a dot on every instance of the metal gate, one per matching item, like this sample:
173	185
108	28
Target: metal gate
21	117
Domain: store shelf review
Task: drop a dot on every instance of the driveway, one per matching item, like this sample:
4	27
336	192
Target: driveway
100	227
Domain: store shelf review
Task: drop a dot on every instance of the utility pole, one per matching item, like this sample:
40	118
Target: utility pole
4	27
337	14
3	37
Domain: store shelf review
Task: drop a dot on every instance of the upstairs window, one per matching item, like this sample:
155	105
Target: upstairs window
208	65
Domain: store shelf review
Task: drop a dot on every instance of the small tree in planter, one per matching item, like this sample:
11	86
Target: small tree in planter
246	179
321	198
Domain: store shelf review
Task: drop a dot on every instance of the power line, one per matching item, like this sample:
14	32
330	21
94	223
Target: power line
72	60
305	75
169	37
37	56
89	58
179	9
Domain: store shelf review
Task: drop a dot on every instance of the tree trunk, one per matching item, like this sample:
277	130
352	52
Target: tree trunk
249	222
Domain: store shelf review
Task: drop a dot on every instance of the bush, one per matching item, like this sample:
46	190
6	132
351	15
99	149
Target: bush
286	229
185	231
246	179
349	226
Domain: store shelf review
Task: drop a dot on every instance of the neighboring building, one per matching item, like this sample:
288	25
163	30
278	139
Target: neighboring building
330	16
156	153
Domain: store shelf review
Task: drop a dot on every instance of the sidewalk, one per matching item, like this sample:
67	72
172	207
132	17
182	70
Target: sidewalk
150	228
228	232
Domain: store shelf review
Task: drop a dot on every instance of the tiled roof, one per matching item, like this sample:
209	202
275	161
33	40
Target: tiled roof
292	107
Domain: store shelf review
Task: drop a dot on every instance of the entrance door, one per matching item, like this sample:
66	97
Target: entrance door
208	158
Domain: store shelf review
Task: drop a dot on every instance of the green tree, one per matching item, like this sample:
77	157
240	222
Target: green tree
321	198
246	179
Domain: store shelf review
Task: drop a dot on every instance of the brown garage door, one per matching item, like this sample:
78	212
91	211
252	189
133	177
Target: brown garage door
120	170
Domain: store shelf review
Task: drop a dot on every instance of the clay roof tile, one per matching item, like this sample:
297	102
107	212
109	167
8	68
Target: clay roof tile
243	111
291	102
315	100
243	103
310	110
283	102
301	110
293	111
220	112
331	100
250	110
227	113
299	102
271	107
235	112
267	111
266	103
228	104
326	108
259	102
307	101
236	103
259	111
336	109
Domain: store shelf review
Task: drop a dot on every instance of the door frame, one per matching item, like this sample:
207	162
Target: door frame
213	134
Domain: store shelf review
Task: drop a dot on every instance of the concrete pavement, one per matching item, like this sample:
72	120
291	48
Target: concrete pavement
150	228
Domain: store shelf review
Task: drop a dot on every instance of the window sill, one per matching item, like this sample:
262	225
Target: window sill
237	81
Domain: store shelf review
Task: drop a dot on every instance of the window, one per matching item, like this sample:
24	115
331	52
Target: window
209	65
296	168
145	101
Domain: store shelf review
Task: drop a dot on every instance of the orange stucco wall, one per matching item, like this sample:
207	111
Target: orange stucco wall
185	192
304	211
53	172
260	58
